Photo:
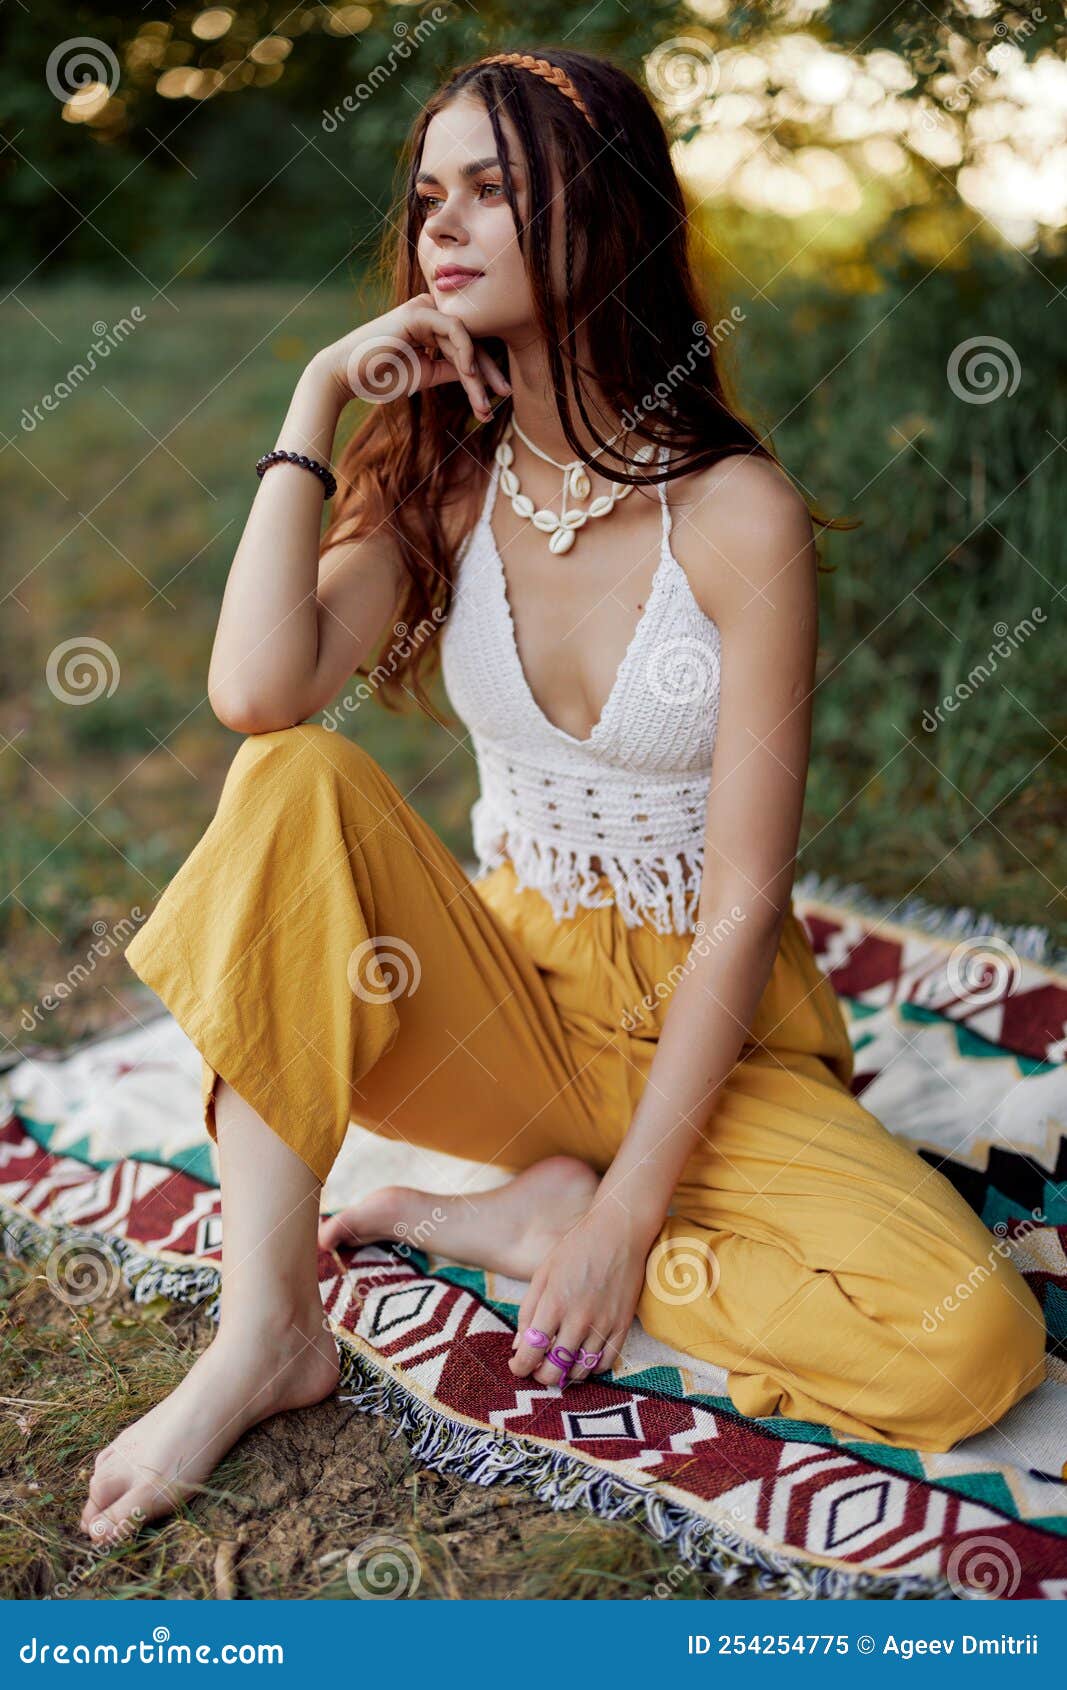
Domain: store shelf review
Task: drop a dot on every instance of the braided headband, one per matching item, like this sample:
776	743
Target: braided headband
551	73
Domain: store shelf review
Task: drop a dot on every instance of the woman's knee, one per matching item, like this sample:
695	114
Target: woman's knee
302	754
303	739
980	1349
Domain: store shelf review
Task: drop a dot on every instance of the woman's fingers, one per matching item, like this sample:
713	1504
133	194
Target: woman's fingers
476	379
463	354
458	347
461	361
558	1361
528	1307
536	1329
529	1355
446	369
492	372
551	1348
589	1356
442	350
596	1354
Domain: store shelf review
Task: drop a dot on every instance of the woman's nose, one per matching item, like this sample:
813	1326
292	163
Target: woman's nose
446	223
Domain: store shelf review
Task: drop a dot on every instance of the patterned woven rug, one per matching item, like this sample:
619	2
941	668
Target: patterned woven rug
960	1029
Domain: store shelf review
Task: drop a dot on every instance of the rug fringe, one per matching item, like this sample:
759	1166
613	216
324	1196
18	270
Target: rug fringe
145	1276
1034	943
485	1457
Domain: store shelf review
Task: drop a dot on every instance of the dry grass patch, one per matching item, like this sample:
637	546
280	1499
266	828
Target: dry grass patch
323	1503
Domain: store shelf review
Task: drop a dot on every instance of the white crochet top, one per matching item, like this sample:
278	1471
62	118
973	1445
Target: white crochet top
634	794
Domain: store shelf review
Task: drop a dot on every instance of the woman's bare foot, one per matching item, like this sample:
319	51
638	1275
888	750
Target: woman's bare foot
509	1230
243	1377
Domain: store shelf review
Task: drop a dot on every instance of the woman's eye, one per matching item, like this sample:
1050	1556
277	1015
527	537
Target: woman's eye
429	202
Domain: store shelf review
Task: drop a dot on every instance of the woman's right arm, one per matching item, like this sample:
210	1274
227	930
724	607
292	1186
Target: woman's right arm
293	627
269	665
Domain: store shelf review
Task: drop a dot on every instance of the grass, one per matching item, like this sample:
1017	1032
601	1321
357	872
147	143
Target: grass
299	1510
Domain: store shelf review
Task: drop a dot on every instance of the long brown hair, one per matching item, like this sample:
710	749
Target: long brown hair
629	283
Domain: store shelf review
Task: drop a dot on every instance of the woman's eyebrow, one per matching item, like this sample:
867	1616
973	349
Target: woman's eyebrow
466	170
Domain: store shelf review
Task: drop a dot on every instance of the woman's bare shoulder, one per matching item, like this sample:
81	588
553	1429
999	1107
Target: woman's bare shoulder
745	487
739	525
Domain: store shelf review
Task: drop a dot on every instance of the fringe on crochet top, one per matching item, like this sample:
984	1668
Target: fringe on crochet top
634	793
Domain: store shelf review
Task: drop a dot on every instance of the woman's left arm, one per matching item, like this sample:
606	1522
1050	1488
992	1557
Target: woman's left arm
747	547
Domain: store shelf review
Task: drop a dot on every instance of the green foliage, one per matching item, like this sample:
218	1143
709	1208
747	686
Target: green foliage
959	554
250	183
212	161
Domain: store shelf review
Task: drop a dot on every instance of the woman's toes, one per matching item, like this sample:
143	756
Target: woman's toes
105	1528
363	1223
136	1505
107	1484
135	1499
95	1521
99	1528
336	1232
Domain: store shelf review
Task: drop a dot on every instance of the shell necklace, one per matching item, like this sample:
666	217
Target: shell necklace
561	529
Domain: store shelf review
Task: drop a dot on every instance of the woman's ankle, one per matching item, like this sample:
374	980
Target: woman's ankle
274	1317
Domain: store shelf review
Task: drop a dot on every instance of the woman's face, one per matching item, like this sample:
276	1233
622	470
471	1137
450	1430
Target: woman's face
467	222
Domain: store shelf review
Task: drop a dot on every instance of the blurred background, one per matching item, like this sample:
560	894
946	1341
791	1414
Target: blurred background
195	198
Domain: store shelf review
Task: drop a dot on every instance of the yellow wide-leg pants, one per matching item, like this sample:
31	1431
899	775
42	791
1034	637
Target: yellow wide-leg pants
329	957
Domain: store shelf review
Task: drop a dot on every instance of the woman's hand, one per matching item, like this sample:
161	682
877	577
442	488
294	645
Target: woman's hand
583	1297
407	350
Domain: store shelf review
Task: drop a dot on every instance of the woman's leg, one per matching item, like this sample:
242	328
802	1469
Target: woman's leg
266	946
835	1274
329	958
272	1350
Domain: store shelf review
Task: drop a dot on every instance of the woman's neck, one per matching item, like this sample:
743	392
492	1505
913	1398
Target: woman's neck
533	405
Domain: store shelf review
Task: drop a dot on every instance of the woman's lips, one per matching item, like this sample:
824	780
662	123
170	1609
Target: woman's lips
453	280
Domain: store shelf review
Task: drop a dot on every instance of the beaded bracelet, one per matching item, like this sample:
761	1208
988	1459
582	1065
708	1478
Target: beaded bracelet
325	475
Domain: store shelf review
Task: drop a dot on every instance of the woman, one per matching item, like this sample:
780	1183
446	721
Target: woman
622	1008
